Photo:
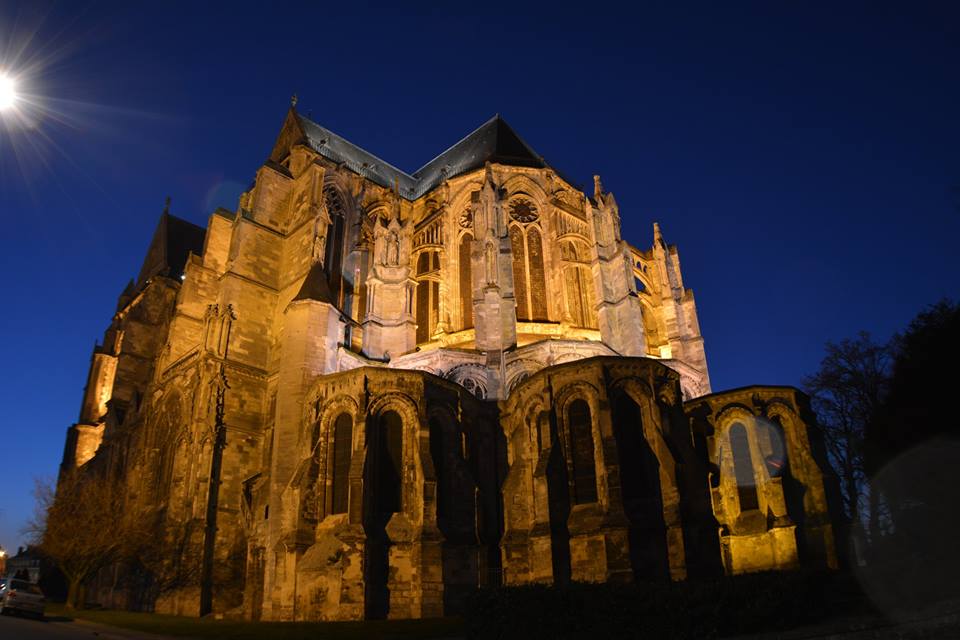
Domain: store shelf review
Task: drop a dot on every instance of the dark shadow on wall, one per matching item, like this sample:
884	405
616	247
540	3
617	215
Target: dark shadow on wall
642	498
558	493
384	457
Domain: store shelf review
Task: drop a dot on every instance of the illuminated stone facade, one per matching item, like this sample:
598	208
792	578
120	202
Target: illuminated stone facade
365	393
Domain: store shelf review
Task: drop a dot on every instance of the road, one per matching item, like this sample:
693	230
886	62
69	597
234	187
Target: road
19	628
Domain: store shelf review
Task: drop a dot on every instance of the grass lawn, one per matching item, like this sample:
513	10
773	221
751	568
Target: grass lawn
208	628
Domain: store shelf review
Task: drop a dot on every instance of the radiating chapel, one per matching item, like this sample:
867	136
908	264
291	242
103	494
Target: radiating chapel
365	393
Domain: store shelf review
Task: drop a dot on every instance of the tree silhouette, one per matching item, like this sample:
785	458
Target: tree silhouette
846	393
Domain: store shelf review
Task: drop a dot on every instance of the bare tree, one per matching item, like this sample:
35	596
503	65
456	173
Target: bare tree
167	554
846	392
81	526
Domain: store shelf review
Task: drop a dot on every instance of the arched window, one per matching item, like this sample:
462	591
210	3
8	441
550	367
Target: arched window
773	446
743	468
333	252
341	452
580	297
466	281
519	273
529	279
578	284
428	294
538	281
581	446
389	465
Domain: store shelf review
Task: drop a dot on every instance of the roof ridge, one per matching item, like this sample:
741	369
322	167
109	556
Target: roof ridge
356	146
493	141
495	117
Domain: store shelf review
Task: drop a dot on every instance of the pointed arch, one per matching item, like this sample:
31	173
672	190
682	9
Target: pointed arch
427	294
386	443
538	280
580	424
578	284
342	453
333	253
466	282
743	468
519	272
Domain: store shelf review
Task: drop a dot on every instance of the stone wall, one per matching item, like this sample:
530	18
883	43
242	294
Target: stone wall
510	374
772	491
644	512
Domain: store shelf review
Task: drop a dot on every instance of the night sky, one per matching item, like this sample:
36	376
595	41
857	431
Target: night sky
805	159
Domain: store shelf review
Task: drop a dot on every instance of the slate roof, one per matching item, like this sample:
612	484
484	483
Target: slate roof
315	286
493	141
174	239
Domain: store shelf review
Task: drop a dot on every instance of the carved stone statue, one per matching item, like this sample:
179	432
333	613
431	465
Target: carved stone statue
319	241
392	248
490	264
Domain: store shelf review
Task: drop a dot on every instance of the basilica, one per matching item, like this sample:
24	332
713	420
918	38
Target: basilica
365	393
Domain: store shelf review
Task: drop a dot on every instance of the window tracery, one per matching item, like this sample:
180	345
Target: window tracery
529	275
466	282
333	253
428	294
523	210
578	285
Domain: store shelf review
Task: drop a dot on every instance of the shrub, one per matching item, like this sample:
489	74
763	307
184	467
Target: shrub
693	609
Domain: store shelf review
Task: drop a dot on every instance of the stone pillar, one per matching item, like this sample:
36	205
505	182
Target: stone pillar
311	333
389	329
618	307
679	311
541	544
416	569
103	369
352	594
83	438
494	306
416	544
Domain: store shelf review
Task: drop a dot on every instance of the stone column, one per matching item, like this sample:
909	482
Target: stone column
495	315
389	329
619	313
311	332
599	541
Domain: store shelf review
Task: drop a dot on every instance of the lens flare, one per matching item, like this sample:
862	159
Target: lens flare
8	92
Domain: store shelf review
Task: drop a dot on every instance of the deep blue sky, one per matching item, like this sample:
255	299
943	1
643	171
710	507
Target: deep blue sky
802	157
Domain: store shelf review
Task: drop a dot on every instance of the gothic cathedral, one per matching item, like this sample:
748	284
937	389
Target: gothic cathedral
365	393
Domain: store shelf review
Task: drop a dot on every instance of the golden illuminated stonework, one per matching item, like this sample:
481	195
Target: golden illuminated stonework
364	393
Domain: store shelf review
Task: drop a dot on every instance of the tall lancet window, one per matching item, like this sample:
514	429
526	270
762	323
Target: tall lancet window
538	280
580	424
388	449
743	468
341	450
526	243
519	273
428	294
578	285
333	254
466	282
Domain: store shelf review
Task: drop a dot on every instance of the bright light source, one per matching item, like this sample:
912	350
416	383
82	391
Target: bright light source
8	92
